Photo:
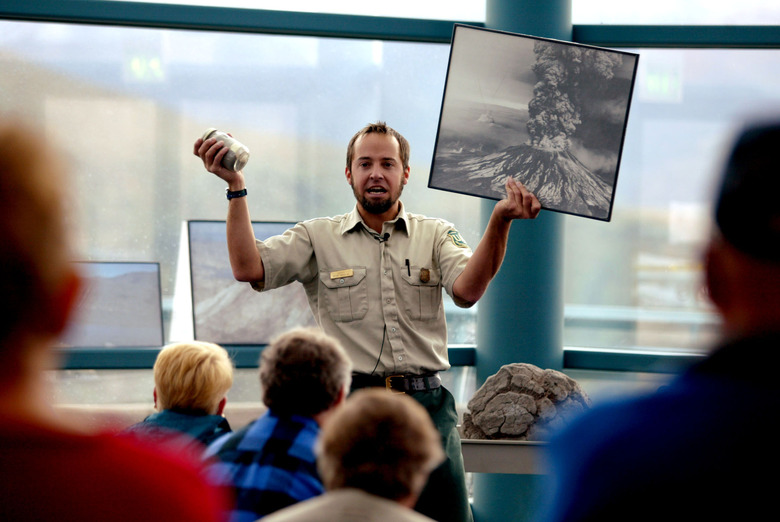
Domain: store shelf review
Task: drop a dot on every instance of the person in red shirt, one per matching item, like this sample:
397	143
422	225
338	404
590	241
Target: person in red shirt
50	469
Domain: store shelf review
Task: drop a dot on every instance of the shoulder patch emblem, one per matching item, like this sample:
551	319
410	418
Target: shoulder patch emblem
454	235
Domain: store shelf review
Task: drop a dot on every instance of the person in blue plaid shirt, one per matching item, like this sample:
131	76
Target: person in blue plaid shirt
271	464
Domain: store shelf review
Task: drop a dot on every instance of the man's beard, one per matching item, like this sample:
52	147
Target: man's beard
378	206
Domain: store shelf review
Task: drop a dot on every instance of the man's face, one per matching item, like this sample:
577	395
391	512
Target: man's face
377	174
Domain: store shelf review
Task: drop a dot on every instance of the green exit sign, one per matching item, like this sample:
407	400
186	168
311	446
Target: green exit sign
664	85
139	68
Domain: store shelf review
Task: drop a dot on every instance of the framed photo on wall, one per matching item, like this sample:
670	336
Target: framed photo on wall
120	306
551	114
228	312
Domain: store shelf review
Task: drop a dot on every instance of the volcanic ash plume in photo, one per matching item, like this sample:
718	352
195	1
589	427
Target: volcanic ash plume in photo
564	125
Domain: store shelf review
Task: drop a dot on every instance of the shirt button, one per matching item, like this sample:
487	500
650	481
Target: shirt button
400	357
341	281
385	272
392	329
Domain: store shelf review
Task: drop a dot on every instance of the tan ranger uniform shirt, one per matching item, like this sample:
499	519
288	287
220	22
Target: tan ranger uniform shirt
379	294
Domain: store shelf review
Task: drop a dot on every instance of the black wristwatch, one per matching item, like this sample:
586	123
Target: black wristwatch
235	193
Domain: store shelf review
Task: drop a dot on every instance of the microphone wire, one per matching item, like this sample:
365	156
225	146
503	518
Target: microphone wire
384	332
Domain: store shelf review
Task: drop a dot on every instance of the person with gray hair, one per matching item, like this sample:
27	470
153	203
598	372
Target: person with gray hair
703	447
270	464
375	454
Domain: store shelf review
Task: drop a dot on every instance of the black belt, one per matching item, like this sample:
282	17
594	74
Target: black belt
398	383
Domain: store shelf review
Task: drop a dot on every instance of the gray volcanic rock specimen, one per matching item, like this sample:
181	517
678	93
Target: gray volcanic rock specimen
522	402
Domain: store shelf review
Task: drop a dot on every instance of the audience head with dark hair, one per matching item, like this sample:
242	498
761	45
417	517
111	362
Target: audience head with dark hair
743	257
699	447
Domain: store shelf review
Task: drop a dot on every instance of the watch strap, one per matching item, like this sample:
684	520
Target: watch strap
235	193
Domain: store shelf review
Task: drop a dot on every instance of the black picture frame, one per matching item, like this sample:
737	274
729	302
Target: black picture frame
550	113
119	306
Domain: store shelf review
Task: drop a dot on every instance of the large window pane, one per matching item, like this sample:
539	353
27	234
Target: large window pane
637	281
128	103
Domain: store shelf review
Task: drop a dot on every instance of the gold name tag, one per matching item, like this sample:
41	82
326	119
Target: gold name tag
342	273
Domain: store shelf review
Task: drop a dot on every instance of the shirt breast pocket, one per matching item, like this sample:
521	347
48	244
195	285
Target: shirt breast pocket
345	293
422	292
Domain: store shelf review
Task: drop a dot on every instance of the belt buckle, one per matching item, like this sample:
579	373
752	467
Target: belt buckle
389	383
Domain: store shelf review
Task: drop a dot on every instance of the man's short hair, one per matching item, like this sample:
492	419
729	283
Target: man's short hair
747	211
380	442
34	238
192	377
380	127
303	371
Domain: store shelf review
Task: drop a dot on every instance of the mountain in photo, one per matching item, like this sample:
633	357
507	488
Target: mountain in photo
555	176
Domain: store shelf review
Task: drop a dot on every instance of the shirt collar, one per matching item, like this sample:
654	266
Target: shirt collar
354	221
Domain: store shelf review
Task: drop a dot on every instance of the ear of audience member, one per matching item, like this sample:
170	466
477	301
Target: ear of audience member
191	383
50	469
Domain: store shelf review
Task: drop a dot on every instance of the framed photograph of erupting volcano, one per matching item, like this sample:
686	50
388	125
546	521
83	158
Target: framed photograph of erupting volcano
551	114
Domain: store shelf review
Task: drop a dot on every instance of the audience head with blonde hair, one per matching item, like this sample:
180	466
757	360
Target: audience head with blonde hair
192	377
379	442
